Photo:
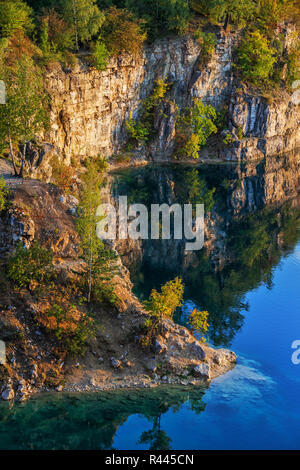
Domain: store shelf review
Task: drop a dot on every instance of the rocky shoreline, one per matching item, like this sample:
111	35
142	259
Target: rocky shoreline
115	359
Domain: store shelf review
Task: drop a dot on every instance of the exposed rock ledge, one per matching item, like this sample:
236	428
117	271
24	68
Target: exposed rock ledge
89	108
115	359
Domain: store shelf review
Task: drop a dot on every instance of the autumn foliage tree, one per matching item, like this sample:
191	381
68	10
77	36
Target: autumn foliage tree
122	32
56	34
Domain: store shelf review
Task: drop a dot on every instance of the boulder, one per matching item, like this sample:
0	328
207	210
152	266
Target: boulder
159	346
223	357
116	364
202	371
198	351
8	394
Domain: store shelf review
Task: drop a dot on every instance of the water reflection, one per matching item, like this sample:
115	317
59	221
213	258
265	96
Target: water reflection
90	421
245	238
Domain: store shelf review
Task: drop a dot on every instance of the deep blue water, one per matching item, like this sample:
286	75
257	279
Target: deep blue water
257	404
253	299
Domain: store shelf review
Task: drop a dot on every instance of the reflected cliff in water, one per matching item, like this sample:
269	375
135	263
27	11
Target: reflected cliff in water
90	421
252	219
246	275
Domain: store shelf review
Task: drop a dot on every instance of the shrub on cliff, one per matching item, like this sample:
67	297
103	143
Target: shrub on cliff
140	130
162	305
32	264
207	42
194	125
100	55
56	36
71	327
256	58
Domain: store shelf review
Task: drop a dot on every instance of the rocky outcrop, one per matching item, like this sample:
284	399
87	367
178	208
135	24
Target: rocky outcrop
89	108
267	128
115	357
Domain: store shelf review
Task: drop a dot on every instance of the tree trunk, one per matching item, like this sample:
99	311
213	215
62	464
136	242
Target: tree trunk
12	156
23	160
226	22
75	25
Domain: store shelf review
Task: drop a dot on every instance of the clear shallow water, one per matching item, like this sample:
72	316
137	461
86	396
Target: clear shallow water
253	298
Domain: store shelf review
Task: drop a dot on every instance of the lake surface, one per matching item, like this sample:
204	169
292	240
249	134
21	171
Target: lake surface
247	277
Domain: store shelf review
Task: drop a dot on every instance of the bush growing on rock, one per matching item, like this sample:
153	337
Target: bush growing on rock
140	130
208	42
32	264
197	322
100	55
194	125
71	327
256	58
162	305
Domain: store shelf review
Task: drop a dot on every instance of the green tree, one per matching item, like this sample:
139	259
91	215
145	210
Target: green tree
197	322
25	113
100	55
84	17
256	58
32	264
140	130
163	304
237	12
194	126
161	15
14	15
100	261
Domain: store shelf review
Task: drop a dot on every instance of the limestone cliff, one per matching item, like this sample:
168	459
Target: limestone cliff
89	108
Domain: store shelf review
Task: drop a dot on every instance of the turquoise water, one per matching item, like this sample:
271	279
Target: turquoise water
253	298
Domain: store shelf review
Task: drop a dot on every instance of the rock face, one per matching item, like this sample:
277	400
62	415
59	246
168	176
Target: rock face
89	108
29	219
